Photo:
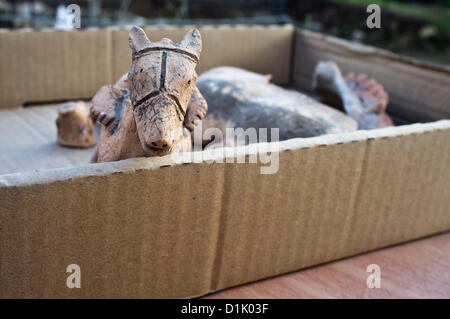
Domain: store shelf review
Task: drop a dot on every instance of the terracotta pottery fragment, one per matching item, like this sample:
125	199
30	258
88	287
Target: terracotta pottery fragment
153	108
361	97
74	125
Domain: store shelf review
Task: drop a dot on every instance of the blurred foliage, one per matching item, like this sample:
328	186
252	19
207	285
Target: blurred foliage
418	29
436	12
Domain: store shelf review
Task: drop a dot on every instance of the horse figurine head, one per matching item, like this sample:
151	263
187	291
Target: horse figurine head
162	79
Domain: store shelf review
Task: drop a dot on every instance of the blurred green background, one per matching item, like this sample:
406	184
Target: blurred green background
415	28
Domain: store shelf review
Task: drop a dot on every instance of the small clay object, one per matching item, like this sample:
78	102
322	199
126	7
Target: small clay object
361	97
74	125
248	100
152	109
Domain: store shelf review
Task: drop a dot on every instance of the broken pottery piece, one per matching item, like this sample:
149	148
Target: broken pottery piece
361	97
248	100
75	127
152	109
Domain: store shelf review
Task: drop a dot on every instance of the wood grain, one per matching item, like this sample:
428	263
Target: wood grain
419	269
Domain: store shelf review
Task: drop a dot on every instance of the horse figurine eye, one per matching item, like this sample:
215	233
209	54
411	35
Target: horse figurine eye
189	82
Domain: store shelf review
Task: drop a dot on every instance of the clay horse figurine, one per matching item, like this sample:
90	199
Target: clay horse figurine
153	108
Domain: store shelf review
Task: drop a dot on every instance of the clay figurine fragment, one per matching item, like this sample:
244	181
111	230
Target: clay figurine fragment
362	98
247	99
244	99
74	125
153	108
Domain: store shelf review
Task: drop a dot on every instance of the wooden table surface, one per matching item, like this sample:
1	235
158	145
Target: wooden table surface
419	269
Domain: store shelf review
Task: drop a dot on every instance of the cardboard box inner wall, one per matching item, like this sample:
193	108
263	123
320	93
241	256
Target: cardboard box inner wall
45	66
153	227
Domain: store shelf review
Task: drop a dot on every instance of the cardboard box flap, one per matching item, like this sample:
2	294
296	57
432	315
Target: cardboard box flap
140	237
333	200
140	228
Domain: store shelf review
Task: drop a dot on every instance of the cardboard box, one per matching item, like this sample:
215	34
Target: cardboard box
153	227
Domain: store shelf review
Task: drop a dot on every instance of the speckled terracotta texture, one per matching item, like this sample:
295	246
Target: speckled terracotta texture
361	97
151	110
74	125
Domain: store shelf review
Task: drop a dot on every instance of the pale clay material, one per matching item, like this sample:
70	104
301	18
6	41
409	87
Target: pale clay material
153	108
74	125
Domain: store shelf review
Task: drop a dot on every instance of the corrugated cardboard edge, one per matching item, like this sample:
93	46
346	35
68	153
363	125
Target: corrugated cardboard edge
418	90
136	164
210	228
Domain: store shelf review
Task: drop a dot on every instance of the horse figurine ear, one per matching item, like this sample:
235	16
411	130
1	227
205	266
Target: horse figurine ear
138	39
192	41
